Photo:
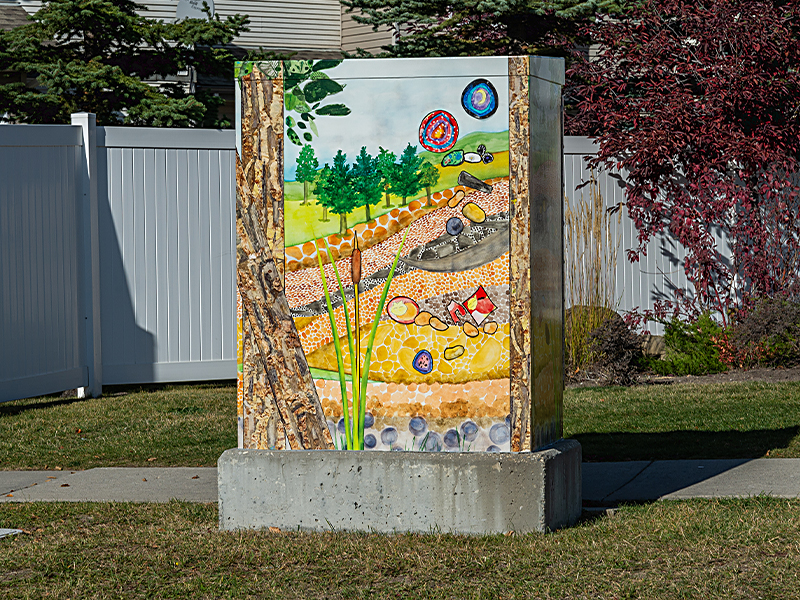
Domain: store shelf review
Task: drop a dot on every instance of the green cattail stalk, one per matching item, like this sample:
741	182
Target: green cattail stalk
359	400
336	344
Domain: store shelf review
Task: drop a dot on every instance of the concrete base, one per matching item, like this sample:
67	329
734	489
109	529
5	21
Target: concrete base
401	491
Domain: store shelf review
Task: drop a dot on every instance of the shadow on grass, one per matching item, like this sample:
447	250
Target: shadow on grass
673	445
11	408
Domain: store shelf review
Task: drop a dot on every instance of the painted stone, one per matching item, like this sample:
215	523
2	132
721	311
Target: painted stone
470	329
453	159
490	327
473	157
499	433
417	426
479	99
389	436
453	353
423	319
456	199
438	131
451	438
469	430
467	179
473	212
402	310
438	324
423	362
454	226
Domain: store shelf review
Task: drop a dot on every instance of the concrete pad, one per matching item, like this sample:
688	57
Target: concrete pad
600	480
145	484
11	481
401	491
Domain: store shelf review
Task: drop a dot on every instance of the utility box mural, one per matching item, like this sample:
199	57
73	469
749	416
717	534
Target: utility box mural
412	211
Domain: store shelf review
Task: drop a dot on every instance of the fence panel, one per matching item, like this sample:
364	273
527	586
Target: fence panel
168	286
640	284
41	329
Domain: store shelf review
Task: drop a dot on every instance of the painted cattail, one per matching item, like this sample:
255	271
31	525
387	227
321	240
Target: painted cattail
355	264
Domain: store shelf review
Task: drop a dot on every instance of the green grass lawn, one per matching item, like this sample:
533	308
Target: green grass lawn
191	425
680	421
704	549
186	425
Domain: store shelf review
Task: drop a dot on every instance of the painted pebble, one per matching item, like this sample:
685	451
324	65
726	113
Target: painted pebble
423	362
456	199
453	353
474	212
454	226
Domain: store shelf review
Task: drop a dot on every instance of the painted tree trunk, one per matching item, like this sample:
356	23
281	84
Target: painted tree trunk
388	204
342	224
305	193
428	194
280	402
369	218
324	218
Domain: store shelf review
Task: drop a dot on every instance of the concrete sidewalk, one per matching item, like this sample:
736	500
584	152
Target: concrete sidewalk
604	484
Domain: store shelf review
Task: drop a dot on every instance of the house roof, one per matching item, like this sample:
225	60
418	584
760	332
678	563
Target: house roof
11	16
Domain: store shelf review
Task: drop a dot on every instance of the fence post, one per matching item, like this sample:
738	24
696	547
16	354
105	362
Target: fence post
90	241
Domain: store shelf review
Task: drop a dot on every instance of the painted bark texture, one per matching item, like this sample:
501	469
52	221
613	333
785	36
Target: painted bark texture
280	404
520	271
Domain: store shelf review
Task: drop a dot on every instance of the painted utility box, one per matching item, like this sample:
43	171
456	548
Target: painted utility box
410	211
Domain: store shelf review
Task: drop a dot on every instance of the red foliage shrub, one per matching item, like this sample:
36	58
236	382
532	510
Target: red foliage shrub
700	104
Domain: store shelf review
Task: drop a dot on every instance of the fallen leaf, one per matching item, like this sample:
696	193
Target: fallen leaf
143	479
57	468
508	533
9	495
51	477
64	485
274	529
198	476
151	459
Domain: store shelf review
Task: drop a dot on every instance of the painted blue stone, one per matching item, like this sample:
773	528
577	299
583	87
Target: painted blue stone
451	438
454	226
469	430
423	362
499	433
389	436
370	441
493	448
417	426
432	442
369	420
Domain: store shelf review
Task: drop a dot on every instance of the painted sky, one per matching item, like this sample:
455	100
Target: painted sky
390	97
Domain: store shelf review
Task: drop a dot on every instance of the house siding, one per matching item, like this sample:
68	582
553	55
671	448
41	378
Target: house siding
356	35
274	24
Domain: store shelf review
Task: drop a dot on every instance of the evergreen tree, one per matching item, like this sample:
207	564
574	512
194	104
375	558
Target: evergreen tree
479	27
336	190
408	178
429	176
98	55
387	165
307	165
321	194
366	181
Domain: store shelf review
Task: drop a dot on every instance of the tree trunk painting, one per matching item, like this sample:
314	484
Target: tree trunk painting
280	405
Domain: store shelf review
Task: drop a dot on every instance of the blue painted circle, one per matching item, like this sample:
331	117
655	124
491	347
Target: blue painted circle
389	436
369	420
417	426
479	99
469	430
499	433
370	441
454	226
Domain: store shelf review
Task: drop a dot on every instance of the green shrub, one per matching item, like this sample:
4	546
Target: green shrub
691	348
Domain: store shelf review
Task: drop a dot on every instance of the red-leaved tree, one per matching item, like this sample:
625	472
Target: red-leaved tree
699	101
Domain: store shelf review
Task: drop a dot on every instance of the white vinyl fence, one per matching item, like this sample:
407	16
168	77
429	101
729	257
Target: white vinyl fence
117	251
